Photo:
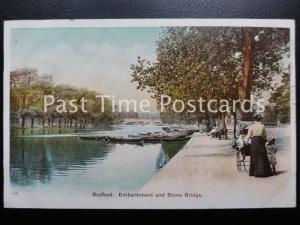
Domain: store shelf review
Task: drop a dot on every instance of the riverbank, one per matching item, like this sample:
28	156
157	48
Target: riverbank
208	167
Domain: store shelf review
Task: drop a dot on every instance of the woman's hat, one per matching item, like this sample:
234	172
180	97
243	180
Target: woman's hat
257	117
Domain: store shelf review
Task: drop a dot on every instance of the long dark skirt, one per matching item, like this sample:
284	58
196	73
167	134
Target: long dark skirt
259	163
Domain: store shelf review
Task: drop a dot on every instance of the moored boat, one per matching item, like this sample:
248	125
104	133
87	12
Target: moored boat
125	140
150	137
91	137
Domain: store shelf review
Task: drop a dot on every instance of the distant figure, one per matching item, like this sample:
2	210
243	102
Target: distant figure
259	163
271	153
213	133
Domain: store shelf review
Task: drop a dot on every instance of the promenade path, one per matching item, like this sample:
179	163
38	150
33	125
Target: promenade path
207	167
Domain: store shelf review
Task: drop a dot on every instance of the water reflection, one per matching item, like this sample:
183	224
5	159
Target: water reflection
167	151
60	163
36	159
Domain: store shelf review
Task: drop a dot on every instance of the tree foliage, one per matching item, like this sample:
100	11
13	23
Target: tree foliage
27	92
281	100
194	62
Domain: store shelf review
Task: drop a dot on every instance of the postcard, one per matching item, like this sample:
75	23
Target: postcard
149	114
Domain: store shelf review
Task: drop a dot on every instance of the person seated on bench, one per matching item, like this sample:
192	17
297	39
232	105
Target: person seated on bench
213	133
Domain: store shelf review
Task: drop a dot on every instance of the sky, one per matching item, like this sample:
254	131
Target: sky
95	58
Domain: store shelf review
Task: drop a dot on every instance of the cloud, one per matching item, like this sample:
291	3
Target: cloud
101	67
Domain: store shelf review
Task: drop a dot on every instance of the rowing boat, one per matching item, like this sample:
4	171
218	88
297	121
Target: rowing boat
92	137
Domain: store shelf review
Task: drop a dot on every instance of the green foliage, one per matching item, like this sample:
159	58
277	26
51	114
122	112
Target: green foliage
271	46
27	100
194	62
281	100
270	116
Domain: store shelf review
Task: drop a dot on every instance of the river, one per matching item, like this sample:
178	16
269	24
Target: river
56	161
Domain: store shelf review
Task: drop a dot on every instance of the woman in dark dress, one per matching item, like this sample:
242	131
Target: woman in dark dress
259	163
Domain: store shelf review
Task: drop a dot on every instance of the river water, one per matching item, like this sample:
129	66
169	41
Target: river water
57	161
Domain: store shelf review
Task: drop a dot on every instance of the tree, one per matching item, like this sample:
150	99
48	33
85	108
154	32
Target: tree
193	62
281	100
263	48
212	63
26	94
26	91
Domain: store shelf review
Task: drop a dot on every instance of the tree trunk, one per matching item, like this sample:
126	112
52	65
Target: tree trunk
23	118
52	120
234	124
32	122
199	120
246	80
207	121
224	126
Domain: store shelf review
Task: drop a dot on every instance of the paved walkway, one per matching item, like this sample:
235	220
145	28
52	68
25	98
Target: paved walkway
208	167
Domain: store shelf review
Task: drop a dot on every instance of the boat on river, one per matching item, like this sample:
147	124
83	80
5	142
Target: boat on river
125	140
171	135
112	139
92	137
163	138
180	129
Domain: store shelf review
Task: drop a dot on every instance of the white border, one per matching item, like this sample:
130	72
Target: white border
283	23
8	25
